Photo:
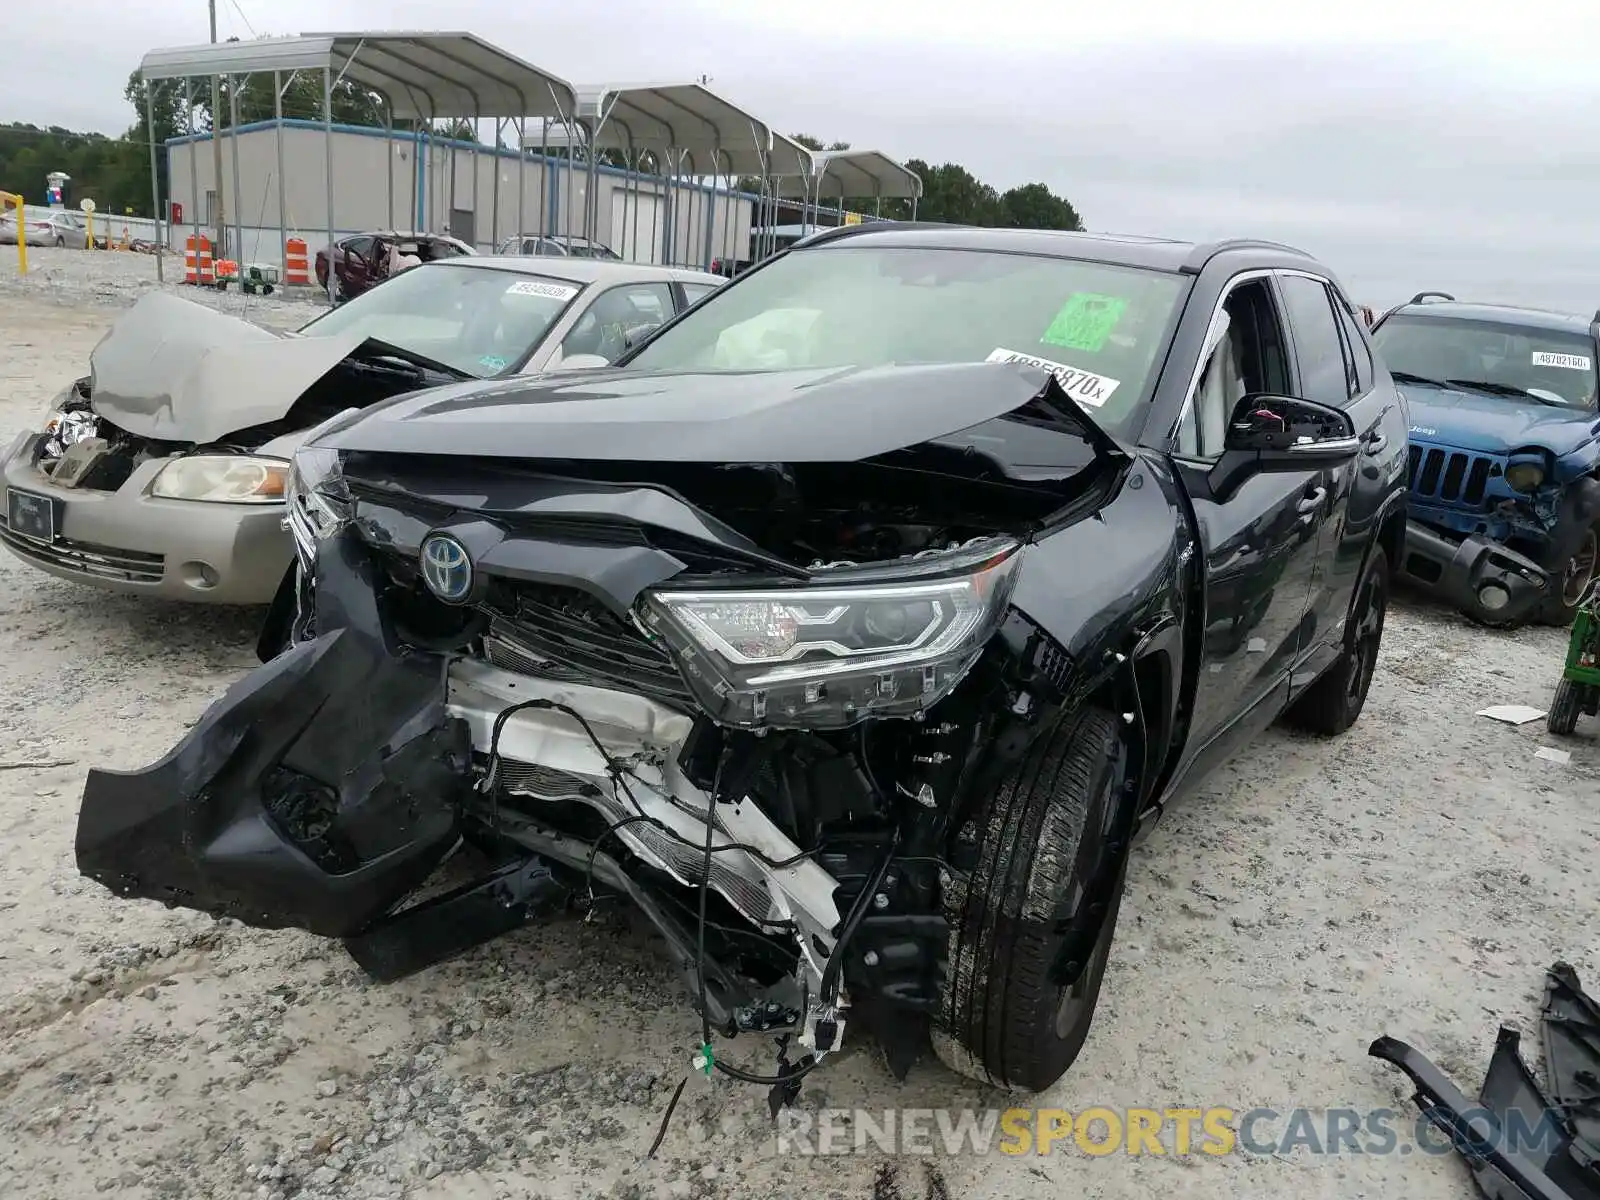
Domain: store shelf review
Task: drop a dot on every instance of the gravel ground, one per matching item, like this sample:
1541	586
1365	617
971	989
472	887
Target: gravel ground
1412	878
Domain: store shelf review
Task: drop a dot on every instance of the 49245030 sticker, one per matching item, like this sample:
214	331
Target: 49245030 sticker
1085	387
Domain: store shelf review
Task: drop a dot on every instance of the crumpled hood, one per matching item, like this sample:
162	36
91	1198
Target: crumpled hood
178	371
1494	424
620	415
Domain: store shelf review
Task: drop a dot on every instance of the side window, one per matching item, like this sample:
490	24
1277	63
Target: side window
602	328
1318	343
1360	354
1250	357
361	247
697	291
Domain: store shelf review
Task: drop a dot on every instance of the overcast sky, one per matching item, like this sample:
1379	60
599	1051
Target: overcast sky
1412	144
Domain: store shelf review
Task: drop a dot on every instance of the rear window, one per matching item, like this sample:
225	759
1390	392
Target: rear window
1099	328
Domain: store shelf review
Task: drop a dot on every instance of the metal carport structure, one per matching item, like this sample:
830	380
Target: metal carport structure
858	174
686	128
420	77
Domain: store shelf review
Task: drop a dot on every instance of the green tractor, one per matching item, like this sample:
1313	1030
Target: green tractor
1578	693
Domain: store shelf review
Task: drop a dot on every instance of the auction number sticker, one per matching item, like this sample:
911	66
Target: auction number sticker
1572	362
551	291
1083	386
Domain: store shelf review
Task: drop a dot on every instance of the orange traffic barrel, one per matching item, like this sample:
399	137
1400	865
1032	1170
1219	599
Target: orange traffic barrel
197	267
295	268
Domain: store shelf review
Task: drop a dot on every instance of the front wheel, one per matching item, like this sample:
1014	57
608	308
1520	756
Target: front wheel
1572	581
1002	1021
1335	699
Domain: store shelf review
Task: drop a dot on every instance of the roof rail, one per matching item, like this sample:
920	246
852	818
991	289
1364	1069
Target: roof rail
1424	297
837	232
1206	251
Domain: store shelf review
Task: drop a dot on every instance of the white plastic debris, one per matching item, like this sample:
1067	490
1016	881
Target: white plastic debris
1512	714
1551	754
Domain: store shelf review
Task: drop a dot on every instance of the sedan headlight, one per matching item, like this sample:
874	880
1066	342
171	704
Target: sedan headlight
222	479
1525	476
827	656
317	502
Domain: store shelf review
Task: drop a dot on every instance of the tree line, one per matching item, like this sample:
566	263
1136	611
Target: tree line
115	171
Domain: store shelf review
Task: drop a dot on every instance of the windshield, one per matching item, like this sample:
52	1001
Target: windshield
1520	363
480	321
1099	328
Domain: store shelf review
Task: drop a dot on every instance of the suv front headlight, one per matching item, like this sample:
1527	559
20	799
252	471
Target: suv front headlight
222	479
824	656
1525	476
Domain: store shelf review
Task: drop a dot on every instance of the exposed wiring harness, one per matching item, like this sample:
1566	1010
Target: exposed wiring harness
706	1061
617	772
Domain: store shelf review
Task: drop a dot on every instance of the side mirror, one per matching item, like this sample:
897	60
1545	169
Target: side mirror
1286	432
582	362
1281	433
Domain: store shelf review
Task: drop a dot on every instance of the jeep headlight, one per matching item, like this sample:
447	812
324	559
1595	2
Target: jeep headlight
317	502
222	479
868	642
1525	476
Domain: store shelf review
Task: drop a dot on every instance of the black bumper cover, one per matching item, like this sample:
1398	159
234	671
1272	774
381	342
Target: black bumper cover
1456	571
1522	1141
316	793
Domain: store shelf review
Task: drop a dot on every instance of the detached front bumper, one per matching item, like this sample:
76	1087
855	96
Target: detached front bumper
129	541
1482	578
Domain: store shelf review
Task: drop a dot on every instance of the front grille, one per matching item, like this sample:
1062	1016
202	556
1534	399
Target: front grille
565	634
86	558
1451	476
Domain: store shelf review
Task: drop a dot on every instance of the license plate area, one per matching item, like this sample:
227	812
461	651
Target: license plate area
31	515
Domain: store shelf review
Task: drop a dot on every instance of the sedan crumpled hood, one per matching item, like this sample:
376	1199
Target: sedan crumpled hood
1494	424
178	371
816	415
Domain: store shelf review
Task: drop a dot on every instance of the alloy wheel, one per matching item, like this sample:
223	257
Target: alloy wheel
1365	636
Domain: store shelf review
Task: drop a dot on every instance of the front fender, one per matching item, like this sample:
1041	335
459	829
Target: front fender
1113	592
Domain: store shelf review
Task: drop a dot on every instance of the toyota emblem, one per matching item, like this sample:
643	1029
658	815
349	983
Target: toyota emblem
446	568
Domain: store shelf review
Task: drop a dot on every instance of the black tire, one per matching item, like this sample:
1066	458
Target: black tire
1334	701
1563	716
1002	1021
1573	579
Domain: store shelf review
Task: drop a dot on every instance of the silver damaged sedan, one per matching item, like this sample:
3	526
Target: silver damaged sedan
163	471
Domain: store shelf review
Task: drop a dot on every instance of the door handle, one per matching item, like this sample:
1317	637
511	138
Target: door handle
1311	501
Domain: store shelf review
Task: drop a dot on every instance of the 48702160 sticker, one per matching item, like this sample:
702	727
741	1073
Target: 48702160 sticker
1570	362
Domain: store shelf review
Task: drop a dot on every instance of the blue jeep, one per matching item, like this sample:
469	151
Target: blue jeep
1505	454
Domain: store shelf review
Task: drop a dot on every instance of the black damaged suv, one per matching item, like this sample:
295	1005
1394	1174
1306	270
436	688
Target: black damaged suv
852	628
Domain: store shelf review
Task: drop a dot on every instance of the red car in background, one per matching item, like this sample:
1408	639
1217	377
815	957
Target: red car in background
362	259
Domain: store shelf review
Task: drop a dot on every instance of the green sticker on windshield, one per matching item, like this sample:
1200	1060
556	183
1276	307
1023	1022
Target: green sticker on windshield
492	362
1085	321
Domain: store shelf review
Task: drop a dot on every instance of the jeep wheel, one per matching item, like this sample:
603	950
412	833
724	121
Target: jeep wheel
1002	1021
1334	701
1572	581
